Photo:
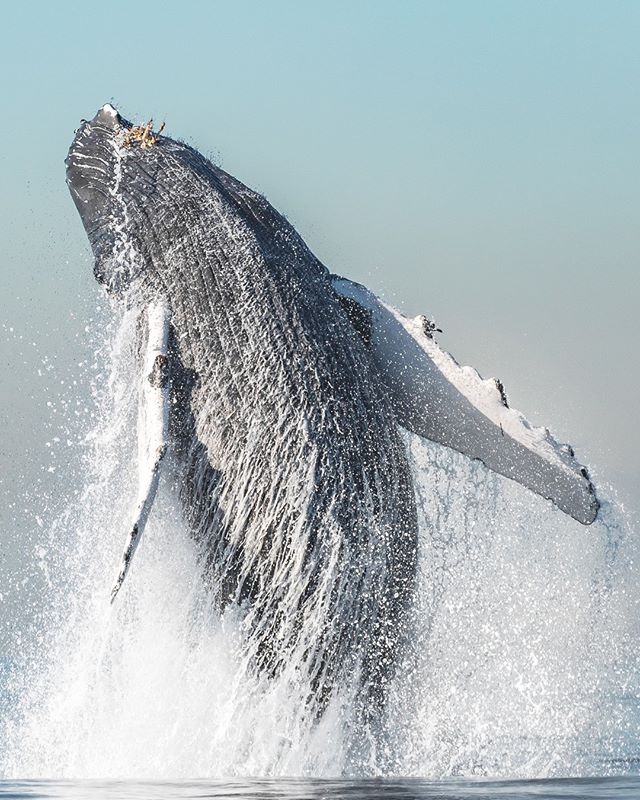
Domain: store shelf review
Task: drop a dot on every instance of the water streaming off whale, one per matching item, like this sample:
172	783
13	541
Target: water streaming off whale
520	664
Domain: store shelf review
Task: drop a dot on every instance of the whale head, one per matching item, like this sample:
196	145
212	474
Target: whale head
157	214
141	198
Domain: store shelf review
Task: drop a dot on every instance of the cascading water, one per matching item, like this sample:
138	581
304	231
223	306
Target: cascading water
523	643
520	662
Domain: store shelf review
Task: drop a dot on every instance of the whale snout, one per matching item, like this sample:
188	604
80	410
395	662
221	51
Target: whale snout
108	117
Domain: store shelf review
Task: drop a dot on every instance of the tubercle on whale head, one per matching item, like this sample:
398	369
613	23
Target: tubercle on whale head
95	166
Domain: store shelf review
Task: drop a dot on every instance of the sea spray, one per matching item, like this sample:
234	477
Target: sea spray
158	684
523	624
517	663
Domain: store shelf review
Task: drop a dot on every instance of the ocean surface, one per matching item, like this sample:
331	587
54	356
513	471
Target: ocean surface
405	789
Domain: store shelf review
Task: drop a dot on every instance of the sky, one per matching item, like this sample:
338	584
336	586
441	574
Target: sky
475	161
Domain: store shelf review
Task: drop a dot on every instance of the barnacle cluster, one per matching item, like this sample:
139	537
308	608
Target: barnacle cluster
142	135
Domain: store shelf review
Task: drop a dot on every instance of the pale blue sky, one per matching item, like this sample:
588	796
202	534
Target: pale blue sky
474	160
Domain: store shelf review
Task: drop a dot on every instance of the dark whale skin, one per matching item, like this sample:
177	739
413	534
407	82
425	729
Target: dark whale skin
293	475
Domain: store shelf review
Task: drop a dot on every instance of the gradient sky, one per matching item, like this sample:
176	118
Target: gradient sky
477	161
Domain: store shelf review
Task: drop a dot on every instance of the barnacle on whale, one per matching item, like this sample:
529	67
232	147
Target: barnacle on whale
143	135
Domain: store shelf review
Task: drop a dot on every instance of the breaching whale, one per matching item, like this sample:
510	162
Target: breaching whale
280	391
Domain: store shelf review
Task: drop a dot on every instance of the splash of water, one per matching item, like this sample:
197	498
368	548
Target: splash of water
520	661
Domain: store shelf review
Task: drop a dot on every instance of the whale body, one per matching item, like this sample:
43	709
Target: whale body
281	392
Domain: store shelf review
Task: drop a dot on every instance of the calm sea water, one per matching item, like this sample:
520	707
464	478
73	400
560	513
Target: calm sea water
308	789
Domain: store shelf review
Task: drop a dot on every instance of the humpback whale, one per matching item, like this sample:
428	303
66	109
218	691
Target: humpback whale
281	391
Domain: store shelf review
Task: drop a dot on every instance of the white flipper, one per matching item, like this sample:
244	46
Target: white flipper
153	421
438	399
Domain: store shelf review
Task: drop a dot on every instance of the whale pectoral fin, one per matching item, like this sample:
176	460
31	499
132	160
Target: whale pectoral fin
434	397
153	420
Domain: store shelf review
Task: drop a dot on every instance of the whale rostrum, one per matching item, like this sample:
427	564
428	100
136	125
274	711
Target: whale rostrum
281	392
